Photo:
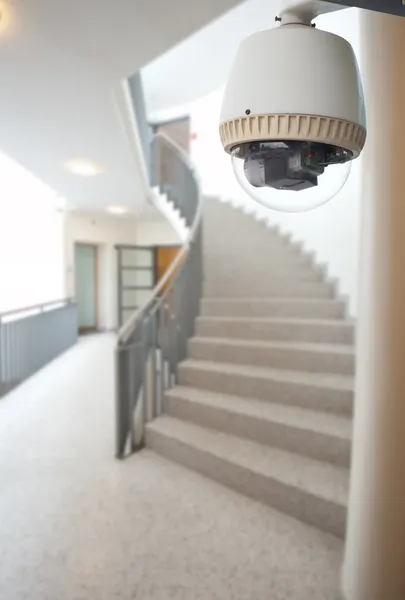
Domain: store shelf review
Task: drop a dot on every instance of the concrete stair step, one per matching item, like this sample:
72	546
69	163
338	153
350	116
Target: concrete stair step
262	250
316	391
234	215
262	263
222	232
231	223
276	307
278	273
230	219
309	490
213	207
225	237
267	287
224	220
299	356
323	436
277	329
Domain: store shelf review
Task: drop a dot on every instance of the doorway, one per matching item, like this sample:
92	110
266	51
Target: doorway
136	278
139	269
86	286
165	255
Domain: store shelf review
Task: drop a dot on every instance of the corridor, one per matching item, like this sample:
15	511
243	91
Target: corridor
75	524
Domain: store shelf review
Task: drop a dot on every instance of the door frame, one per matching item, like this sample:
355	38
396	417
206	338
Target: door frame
94	327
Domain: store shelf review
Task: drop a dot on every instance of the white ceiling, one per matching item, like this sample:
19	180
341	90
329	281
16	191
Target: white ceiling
200	63
59	64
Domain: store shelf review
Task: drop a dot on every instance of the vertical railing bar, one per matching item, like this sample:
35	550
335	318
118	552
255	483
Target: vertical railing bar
132	394
119	291
14	355
120	420
7	332
18	354
41	340
46	336
173	348
31	353
144	371
11	352
5	354
154	365
162	359
166	347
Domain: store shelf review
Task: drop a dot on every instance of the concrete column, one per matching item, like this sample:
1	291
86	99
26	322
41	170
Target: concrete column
374	566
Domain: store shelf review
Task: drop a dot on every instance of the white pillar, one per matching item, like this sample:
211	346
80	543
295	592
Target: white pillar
374	566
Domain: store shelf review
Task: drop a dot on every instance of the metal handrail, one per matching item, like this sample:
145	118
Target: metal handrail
154	340
130	324
38	307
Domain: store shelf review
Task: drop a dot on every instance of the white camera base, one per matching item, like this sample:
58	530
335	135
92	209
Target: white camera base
305	12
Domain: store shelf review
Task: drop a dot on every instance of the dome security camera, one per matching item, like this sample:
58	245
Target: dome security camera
293	110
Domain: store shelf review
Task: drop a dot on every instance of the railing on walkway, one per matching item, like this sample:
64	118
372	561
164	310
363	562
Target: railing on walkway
31	337
154	340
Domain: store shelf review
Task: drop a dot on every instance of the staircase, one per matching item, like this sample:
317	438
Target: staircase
263	402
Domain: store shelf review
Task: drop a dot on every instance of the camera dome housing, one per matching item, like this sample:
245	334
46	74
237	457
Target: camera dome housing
293	106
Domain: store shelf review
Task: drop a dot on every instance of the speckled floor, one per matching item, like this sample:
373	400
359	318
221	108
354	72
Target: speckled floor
77	525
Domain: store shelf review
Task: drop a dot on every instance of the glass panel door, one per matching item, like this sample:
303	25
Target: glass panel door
86	287
136	278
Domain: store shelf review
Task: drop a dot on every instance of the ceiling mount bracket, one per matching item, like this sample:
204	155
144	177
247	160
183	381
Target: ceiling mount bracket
304	12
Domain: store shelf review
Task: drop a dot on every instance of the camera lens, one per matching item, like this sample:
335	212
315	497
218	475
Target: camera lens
282	167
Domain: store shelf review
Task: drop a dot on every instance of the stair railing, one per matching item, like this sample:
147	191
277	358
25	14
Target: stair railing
153	341
33	336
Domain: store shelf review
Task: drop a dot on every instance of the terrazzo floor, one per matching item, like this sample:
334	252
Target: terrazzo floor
75	524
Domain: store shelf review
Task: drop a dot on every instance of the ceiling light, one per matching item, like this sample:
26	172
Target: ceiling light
83	168
5	17
117	210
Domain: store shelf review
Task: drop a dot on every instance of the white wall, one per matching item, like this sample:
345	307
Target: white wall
31	239
332	231
156	232
107	232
